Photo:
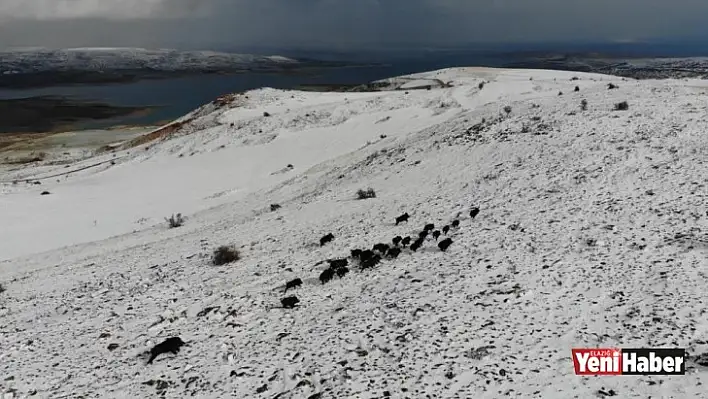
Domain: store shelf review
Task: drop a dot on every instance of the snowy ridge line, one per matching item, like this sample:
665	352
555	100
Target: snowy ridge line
35	60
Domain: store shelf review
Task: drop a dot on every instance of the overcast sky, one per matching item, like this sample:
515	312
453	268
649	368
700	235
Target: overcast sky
339	23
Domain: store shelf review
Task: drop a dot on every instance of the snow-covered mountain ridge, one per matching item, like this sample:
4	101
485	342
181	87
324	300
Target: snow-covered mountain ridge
29	68
33	60
636	68
592	232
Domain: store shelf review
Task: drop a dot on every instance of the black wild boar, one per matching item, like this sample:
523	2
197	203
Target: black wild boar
292	284
402	218
474	212
170	345
326	275
325	239
444	244
289	302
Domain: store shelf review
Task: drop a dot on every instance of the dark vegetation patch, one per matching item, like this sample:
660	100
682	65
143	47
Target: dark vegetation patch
225	254
175	220
365	194
622	106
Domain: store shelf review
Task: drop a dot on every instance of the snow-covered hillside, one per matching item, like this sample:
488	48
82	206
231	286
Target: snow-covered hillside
34	60
592	232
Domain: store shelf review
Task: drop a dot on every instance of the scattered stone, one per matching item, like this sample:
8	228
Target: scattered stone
160	385
362	352
610	392
702	359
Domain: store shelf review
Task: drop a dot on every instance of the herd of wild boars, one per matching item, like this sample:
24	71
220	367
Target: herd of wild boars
364	258
368	258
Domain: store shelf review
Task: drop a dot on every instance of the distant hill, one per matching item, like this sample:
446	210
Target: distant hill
631	67
32	68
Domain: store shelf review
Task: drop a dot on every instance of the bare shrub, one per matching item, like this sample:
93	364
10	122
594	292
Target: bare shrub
623	106
507	109
274	207
577	88
584	105
365	194
175	220
225	254
2	289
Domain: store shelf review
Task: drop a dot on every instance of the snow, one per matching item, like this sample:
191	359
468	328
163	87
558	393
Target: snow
592	233
108	49
119	58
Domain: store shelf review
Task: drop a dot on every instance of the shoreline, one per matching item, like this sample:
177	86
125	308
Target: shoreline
56	114
32	147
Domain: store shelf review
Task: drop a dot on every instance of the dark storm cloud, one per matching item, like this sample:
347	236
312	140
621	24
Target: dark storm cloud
338	23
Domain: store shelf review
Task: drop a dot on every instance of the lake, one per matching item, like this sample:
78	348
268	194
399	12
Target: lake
176	97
